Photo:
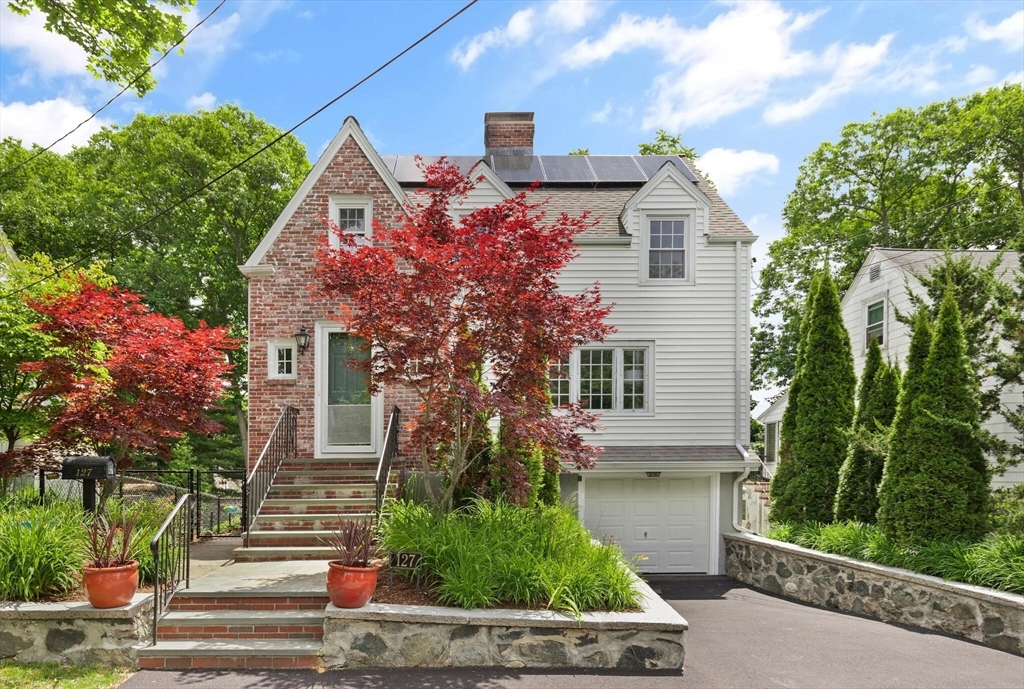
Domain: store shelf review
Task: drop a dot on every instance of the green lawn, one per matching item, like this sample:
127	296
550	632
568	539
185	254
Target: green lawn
54	676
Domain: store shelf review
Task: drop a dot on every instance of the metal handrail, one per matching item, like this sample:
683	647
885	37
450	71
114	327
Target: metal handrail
281	444
171	549
387	455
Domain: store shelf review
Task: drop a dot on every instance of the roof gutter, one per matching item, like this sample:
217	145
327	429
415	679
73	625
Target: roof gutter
737	485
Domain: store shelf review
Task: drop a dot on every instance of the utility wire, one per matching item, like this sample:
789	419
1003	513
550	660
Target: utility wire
120	93
234	167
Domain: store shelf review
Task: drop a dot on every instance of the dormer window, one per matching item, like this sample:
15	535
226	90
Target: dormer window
667	251
353	215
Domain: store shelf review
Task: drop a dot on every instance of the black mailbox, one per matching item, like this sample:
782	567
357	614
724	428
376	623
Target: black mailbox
87	468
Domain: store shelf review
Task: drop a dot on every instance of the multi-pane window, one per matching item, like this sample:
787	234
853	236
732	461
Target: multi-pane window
597	378
634	377
558	383
284	361
352	220
876	324
666	253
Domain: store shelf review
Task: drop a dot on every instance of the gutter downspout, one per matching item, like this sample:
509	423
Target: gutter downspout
737	485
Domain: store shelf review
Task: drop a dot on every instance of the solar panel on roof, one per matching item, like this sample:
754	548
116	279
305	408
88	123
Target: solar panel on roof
407	171
389	162
651	165
616	169
567	169
518	168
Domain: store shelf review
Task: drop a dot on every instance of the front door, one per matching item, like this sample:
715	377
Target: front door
347	411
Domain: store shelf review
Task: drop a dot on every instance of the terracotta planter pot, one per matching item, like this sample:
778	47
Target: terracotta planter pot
110	587
350	587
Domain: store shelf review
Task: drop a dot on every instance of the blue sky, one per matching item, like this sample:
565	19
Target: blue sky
753	86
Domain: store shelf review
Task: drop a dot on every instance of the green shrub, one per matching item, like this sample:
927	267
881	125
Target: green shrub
487	554
997	561
41	551
1008	510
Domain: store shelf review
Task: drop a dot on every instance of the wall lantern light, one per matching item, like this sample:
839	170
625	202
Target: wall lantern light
302	340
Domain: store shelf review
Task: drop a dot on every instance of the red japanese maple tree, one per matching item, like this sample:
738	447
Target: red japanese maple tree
123	379
468	315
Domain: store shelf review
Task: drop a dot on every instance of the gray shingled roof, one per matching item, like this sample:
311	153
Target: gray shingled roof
919	261
667	453
605	198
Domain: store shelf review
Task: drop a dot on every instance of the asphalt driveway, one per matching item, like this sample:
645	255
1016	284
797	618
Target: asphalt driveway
738	637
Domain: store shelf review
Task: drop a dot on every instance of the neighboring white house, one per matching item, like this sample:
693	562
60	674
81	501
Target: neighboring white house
771	419
671	385
882	287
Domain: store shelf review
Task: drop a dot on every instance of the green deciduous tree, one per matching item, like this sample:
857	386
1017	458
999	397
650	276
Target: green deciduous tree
1008	360
948	175
936	481
579	152
665	144
118	36
857	495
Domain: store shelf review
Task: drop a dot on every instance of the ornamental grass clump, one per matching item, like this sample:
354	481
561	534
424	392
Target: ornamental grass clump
41	551
489	554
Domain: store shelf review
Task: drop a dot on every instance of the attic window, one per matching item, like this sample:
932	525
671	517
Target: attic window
352	220
666	253
353	214
875	272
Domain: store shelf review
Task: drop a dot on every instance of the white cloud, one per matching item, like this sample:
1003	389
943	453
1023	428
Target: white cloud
852	65
727	66
559	16
44	121
980	75
1015	78
518	30
46	53
601	116
571	15
1009	32
202	102
730	169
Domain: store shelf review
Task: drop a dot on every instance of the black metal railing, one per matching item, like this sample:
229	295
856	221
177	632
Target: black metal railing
281	444
387	455
171	550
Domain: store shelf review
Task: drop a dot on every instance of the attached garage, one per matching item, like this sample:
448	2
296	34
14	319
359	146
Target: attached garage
667	521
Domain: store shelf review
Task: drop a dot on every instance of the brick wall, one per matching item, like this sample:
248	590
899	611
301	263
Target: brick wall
279	304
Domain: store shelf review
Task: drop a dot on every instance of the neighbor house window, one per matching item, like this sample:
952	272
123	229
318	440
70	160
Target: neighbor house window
770	442
605	379
876	324
281	358
558	383
666	256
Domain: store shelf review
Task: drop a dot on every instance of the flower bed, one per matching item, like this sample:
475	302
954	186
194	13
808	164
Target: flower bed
493	554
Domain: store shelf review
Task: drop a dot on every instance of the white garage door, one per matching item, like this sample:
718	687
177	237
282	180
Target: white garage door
666	520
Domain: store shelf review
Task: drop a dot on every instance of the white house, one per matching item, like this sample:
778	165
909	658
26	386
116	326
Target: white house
671	385
882	287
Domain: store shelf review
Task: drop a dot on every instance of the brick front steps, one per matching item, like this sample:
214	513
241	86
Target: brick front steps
227	654
305	504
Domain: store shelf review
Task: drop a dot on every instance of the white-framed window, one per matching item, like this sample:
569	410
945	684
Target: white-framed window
666	248
875	320
353	214
281	361
609	378
771	440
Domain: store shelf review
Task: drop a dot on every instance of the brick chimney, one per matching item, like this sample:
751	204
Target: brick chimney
508	133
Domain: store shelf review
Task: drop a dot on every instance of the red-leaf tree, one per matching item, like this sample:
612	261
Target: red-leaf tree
121	378
468	315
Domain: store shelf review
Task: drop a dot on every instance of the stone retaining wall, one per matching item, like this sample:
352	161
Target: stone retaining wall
380	635
75	633
994	618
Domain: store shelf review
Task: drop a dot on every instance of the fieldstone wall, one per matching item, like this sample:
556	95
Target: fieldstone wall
75	633
411	636
994	618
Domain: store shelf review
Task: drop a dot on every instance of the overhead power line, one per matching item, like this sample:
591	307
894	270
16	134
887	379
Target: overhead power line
192	194
120	93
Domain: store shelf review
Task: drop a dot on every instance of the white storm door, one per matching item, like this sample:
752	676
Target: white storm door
348	417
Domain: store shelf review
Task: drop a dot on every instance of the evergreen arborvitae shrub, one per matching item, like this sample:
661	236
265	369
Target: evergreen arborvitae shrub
782	507
857	496
936	479
825	407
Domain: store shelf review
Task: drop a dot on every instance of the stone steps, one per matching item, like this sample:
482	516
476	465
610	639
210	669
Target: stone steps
304	522
290	538
286	477
286	506
231	654
330	491
284	553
